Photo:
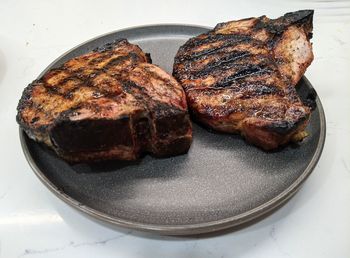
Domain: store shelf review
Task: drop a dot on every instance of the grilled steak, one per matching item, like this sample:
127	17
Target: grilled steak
108	104
240	77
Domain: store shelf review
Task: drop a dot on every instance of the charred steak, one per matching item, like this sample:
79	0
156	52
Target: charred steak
240	77
108	104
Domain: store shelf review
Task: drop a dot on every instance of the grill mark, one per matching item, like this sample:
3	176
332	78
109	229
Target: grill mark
50	90
98	59
262	81
83	77
120	59
255	90
129	86
248	70
86	79
248	90
54	90
212	37
70	78
189	55
53	72
225	63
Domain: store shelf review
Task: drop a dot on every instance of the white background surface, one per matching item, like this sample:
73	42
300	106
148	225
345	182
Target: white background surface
34	223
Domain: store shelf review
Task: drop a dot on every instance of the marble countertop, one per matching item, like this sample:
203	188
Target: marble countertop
34	223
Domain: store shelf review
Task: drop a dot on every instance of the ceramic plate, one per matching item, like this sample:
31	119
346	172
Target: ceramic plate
222	182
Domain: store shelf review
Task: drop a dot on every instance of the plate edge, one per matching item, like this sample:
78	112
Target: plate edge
199	228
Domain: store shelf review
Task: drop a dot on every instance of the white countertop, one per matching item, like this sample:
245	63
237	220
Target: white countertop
34	223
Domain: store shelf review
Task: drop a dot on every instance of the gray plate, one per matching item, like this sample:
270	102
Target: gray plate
222	181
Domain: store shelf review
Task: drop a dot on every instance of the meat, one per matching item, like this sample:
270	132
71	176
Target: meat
111	103
240	77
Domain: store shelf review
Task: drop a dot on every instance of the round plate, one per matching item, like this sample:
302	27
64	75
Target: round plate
221	182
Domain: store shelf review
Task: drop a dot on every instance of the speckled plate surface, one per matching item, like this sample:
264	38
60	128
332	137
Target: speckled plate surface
222	181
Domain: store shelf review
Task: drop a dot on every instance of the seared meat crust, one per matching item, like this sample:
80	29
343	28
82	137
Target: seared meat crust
111	103
240	77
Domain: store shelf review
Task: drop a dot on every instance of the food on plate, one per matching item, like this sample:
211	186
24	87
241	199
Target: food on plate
240	77
111	103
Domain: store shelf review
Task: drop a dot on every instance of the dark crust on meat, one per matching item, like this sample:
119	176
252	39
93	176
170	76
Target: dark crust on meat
234	82
109	46
110	103
301	18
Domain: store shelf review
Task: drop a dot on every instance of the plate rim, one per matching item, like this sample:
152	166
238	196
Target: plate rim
198	228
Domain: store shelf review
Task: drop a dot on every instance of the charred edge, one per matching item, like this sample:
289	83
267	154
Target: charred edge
291	94
148	58
91	135
271	27
109	46
192	41
19	120
167	119
278	26
248	70
224	24
302	17
310	99
54	71
42	129
285	127
28	131
25	100
174	147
